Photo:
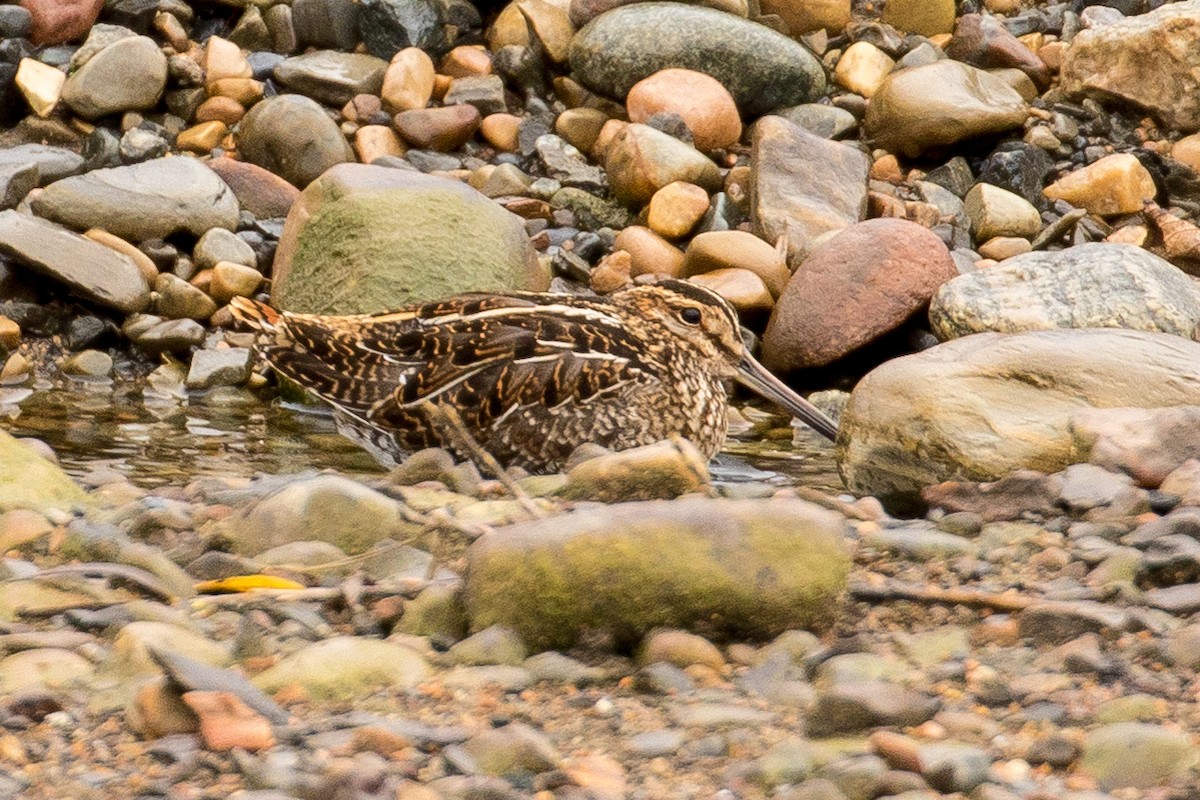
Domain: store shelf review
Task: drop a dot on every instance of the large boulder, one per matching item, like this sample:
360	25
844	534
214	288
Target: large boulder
1148	60
983	406
1094	285
761	68
364	239
744	567
151	200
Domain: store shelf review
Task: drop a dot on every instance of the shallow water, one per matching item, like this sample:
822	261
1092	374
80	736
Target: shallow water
157	441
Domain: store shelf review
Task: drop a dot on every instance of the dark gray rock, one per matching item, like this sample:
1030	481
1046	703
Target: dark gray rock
293	137
391	25
332	77
326	23
761	68
53	163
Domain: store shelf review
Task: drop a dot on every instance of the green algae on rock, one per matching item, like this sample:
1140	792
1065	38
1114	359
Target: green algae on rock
761	68
29	481
346	668
364	239
721	567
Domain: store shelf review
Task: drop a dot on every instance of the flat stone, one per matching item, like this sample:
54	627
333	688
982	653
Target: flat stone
716	250
342	233
293	137
227	367
852	707
331	77
932	107
803	186
41	84
514	748
1116	184
31	482
1095	285
127	75
43	667
761	68
980	407
346	667
640	160
1148	444
828	122
1139	60
1055	623
618	568
53	163
494	645
259	191
997	212
151	200
1136	755
93	271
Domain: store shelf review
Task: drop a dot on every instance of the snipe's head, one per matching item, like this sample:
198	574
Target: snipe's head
708	324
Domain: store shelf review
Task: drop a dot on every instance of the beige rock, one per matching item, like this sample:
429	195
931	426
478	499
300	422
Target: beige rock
41	85
1002	247
501	131
862	68
230	280
226	722
408	81
1019	81
940	104
716	250
641	160
551	24
612	272
464	61
202	138
220	108
924	17
805	16
1116	184
680	648
676	208
998	212
983	406
224	59
741	287
580	127
373	141
608	132
701	101
157	710
10	334
1187	151
651	254
509	28
141	260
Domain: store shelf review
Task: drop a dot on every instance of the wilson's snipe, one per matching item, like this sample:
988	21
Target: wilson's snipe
531	375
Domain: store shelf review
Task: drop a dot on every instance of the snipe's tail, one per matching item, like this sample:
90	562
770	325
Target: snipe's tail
255	315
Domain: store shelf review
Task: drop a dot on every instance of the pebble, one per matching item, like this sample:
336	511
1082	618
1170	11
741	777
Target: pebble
345	667
640	160
127	75
442	129
649	252
1116	184
328	76
278	128
862	68
704	105
227	367
89	364
676	208
494	645
41	84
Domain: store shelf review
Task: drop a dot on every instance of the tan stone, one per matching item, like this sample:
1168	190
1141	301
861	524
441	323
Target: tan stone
1051	55
230	280
650	253
408	81
1002	6
551	25
805	16
446	128
509	28
10	333
246	91
373	141
1116	184
714	250
227	722
924	17
1187	151
41	85
608	132
1019	81
1136	235
640	160
222	109
224	59
741	287
862	68
1002	247
998	212
202	138
613	272
464	61
701	101
140	259
501	131
581	126
157	710
676	208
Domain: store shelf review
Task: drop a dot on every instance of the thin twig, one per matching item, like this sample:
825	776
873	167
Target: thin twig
974	598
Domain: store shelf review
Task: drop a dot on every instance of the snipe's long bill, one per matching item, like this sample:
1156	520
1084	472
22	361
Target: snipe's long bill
531	376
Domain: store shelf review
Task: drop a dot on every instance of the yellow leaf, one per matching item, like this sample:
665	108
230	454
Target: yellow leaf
246	583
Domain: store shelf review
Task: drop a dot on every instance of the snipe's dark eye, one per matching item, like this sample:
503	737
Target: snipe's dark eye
690	315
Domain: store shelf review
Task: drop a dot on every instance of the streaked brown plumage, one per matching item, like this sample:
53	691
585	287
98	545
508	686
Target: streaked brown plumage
532	376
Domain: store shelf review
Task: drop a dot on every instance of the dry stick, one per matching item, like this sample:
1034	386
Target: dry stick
957	597
452	424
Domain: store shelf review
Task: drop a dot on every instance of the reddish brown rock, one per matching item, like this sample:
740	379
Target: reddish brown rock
261	192
852	289
1147	444
701	101
58	21
1010	498
982	41
226	722
443	129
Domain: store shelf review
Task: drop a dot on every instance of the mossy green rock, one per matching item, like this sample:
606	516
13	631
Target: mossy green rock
761	68
29	481
364	239
749	568
1136	755
347	667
